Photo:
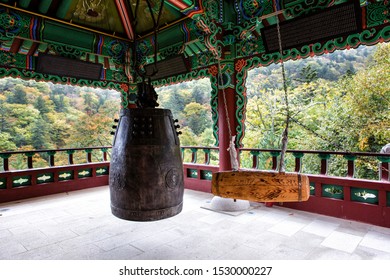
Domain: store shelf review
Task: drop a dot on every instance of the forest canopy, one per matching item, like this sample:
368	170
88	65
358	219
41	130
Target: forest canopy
339	101
37	115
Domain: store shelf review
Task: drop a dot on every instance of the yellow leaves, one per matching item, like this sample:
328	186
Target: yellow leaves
363	144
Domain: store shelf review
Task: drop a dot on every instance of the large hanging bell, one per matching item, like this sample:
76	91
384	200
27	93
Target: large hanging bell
146	170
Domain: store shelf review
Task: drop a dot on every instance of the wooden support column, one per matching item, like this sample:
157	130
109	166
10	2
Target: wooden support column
223	131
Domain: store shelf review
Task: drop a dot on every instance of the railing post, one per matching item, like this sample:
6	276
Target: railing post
351	165
255	159
182	153
275	160
5	158
29	156
324	163
70	156
384	168
194	155
298	161
51	157
89	155
206	156
104	151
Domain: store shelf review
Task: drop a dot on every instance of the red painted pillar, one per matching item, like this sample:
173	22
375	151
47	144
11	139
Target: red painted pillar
223	131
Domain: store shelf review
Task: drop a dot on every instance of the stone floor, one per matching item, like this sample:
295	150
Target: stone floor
79	225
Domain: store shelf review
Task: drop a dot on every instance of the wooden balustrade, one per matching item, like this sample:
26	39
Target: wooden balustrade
348	197
362	199
21	183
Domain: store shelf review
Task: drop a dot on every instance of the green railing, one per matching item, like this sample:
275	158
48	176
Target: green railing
26	174
370	166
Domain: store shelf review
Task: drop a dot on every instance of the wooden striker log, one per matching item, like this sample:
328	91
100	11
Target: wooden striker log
261	186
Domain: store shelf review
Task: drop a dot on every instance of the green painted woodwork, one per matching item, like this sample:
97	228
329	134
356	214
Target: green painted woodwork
65	175
324	156
20	181
388	199
3	183
45	178
275	154
192	173
24	3
29	154
333	191
298	154
51	153
102	171
86	172
364	195
44	6
312	188
63	8
350	157
377	14
5	156
384	159
70	36
206	175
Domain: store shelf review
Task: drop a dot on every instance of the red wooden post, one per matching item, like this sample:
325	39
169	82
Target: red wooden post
29	156
51	158
351	165
324	163
223	131
5	158
275	160
194	155
89	155
298	162
104	150
70	156
255	159
206	156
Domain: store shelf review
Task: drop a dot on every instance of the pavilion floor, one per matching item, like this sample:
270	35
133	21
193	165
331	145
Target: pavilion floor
79	225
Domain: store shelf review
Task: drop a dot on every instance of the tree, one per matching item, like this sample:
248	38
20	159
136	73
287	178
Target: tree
41	106
40	134
6	143
18	96
368	97
197	117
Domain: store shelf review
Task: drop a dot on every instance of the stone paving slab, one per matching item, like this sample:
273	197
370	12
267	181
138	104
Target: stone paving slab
80	226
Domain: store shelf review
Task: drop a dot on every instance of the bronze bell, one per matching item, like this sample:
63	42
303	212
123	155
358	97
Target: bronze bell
146	171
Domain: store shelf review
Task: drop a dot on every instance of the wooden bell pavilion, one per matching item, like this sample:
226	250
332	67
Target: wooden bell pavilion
127	45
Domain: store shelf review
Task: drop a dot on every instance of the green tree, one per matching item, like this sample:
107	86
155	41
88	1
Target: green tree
39	134
40	105
18	96
6	143
368	97
197	117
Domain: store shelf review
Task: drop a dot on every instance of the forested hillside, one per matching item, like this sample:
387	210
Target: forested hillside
338	101
35	115
350	113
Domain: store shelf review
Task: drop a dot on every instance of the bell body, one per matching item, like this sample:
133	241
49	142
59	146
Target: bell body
146	170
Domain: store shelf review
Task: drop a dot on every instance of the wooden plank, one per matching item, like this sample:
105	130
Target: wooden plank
261	186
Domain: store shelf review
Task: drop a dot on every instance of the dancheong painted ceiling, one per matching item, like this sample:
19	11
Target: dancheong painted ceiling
125	37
